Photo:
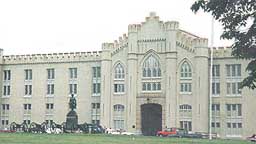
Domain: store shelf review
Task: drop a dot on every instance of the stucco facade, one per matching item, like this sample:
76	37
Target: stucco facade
156	64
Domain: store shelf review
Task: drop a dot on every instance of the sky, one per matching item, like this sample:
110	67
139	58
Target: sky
49	26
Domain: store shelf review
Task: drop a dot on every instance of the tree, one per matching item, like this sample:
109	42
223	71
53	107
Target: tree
238	18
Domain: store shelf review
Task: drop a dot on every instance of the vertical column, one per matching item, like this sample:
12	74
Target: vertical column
200	120
106	106
170	77
132	80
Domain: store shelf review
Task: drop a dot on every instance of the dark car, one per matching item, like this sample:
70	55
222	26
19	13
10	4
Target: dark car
94	128
182	133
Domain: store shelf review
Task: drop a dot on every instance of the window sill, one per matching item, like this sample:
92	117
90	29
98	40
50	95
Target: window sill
96	94
27	96
158	91
6	96
216	96
234	96
186	93
75	95
49	95
118	94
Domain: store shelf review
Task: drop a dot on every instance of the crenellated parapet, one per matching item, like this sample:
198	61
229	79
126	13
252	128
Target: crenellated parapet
221	52
171	25
134	28
52	58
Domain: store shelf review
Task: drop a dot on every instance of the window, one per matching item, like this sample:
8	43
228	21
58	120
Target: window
26	121
185	71
216	124
95	113
5	109
50	74
216	88
234	110
96	72
72	73
72	88
119	88
5	122
185	87
7	75
185	111
96	88
27	106
7	90
28	89
151	86
233	89
233	70
49	106
216	70
151	67
50	89
187	125
28	74
119	71
118	116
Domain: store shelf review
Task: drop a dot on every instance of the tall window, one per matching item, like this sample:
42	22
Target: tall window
96	71
233	89
216	88
95	113
49	108
50	74
96	81
185	78
118	116
185	71
27	109
234	119
119	71
72	73
72	88
28	74
28	89
50	89
216	70
7	90
151	75
7	75
119	82
234	110
151	67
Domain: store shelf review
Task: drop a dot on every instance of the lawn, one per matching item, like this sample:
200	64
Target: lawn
27	138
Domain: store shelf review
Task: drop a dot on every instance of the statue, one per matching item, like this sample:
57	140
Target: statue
72	102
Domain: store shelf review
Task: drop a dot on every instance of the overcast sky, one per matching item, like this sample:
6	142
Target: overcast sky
47	26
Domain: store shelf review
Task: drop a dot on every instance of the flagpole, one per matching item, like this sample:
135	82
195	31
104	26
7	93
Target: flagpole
210	91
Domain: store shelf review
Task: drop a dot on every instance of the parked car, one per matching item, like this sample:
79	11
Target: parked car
167	132
252	138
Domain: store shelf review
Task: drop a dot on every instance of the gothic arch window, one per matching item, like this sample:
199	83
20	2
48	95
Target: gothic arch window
185	78
118	116
151	67
119	71
151	75
185	71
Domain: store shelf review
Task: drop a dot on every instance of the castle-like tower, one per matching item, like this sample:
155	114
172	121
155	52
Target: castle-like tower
154	77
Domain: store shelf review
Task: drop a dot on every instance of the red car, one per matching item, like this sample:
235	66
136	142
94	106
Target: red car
167	131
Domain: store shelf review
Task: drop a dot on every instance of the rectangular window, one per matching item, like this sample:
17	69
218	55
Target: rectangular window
27	106
49	106
50	74
233	70
185	87
72	73
50	89
187	125
7	75
118	88
234	110
216	70
28	89
72	88
28	74
96	88
95	114
7	90
215	88
96	72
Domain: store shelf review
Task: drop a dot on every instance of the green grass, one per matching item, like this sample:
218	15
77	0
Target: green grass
27	138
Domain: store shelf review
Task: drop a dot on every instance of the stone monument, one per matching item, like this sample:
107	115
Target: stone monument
72	118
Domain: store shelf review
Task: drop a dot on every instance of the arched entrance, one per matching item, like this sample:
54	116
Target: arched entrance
151	119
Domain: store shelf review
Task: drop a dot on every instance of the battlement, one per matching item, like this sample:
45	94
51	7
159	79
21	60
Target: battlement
133	28
200	42
171	25
52	57
221	52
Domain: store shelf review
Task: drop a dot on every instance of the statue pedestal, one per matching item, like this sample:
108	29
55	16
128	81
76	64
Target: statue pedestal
72	121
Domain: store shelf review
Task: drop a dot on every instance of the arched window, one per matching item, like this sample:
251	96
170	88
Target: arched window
151	67
119	71
118	116
185	71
